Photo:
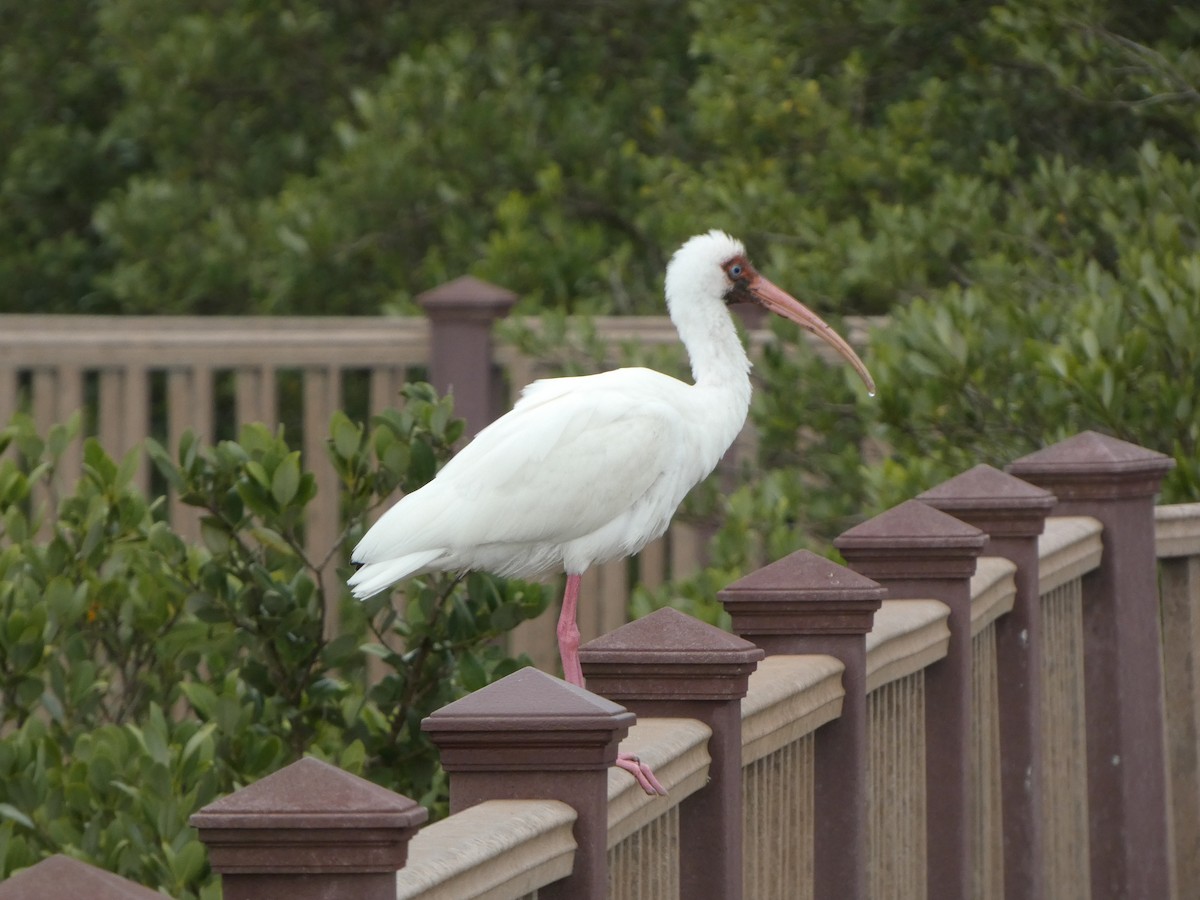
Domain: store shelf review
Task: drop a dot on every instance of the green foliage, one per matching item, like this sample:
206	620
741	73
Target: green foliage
1097	336
143	676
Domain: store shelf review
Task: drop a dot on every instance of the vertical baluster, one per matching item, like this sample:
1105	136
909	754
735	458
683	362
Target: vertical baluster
135	420
255	395
189	405
322	395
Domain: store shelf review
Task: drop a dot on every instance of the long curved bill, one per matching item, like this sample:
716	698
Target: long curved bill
784	304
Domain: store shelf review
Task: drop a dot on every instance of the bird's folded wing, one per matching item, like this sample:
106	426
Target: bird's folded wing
563	468
569	458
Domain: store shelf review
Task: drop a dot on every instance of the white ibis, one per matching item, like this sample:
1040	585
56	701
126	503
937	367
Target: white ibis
590	469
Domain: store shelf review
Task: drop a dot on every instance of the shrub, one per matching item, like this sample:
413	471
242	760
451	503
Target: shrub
142	676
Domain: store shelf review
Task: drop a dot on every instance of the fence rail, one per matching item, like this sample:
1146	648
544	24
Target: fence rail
952	714
511	847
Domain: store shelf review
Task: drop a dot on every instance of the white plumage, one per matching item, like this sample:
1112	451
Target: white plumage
590	469
581	471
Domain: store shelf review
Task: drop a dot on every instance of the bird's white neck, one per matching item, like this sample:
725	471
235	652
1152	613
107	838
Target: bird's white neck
720	368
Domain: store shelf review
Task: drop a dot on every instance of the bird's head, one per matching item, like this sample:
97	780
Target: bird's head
714	267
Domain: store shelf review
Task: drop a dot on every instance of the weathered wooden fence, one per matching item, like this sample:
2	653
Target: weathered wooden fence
997	698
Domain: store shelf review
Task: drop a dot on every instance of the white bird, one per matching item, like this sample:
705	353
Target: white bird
589	469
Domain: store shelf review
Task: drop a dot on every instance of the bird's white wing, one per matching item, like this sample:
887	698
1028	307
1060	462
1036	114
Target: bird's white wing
571	456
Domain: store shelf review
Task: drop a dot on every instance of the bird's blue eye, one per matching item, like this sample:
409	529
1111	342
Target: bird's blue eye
735	271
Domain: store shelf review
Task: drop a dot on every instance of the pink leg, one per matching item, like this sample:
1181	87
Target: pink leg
568	651
568	633
642	772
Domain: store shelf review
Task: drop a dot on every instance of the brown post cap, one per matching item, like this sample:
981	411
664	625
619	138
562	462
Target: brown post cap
1094	466
993	501
309	817
467	298
668	655
529	721
912	540
802	594
60	877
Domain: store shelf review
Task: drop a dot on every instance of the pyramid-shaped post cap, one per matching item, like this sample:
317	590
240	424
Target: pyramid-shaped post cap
528	721
912	540
1094	466
995	502
467	297
309	817
60	877
802	594
668	655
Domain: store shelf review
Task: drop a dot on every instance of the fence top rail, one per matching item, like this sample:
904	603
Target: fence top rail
499	848
789	697
907	636
93	343
11	323
993	591
1069	548
1177	529
649	331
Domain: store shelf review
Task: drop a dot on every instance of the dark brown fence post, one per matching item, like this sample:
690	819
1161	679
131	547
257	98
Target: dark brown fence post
309	832
461	315
530	736
670	664
1115	481
59	877
806	604
1013	513
917	552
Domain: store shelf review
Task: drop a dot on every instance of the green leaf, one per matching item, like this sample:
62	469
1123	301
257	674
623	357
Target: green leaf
215	536
188	864
8	811
256	471
286	480
201	696
197	740
347	436
471	672
421	464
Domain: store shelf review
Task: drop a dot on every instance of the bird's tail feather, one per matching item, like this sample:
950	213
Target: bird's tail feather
375	577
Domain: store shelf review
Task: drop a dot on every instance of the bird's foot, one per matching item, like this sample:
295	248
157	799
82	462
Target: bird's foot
642	772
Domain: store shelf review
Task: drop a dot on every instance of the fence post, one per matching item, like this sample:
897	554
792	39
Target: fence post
309	832
1115	481
461	315
1013	513
918	552
670	664
530	736
805	603
59	877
